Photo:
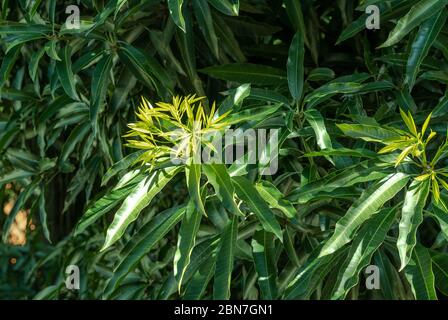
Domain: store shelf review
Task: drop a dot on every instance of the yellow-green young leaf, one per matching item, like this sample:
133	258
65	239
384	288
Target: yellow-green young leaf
424	39
135	202
142	243
420	275
228	7
419	12
218	176
175	7
425	124
186	241
224	261
249	194
263	251
403	155
409	121
362	209
295	66
366	242
411	218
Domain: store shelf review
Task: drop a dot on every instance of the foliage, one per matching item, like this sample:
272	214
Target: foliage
363	148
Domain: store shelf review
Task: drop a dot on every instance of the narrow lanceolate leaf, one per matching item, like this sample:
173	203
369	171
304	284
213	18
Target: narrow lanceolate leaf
218	176
43	214
193	177
366	242
186	241
106	203
199	282
18	205
100	81
263	251
142	243
175	7
316	121
247	73
295	66
370	201
123	164
143	194
311	274
420	275
74	138
205	22
420	12
249	194
224	261
411	218
65	73
275	199
368	132
228	7
8	62
440	268
424	39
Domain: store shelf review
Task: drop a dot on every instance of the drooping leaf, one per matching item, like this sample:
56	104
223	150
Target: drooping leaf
411	218
362	209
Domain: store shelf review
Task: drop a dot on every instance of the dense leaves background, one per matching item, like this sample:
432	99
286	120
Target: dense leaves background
309	68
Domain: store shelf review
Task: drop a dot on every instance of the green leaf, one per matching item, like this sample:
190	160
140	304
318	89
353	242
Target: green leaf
247	73
368	132
66	76
18	205
186	241
43	214
76	136
228	7
224	261
295	66
100	81
205	22
140	198
142	243
193	177
362	209
106	203
366	242
249	194
316	121
424	39
175	7
411	218
311	274
218	176
440	268
8	62
419	274
121	165
263	250
275	199
419	12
